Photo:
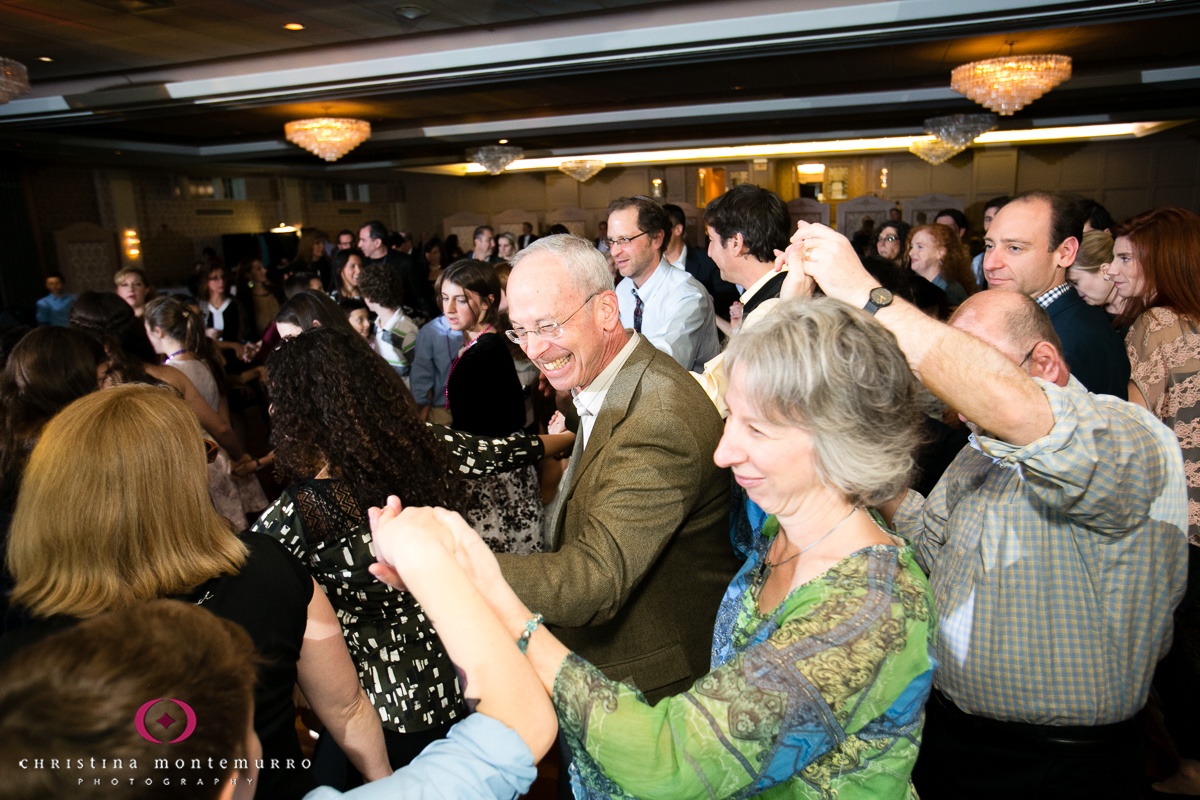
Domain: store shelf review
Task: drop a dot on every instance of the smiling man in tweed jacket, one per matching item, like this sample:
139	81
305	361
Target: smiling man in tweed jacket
639	532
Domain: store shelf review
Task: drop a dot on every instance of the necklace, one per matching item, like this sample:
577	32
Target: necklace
764	569
177	353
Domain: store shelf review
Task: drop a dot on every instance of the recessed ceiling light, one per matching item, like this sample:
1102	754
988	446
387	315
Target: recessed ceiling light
410	12
45	58
504	141
294	26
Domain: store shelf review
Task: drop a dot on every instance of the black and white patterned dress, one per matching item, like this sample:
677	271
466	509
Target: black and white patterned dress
401	662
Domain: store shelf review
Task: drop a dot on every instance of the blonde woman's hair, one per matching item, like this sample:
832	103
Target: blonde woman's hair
1095	251
126	272
114	508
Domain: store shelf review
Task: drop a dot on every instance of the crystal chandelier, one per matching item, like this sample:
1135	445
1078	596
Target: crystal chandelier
494	158
14	79
961	129
1009	83
328	137
935	151
582	168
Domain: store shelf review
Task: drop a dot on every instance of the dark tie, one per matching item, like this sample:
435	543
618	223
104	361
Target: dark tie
637	312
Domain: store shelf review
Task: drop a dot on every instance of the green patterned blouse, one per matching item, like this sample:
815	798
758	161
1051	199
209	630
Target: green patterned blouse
822	698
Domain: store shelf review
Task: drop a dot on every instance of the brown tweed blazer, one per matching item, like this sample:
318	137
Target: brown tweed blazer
641	553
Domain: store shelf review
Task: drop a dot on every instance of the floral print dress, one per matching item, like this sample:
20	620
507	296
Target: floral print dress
823	697
1164	360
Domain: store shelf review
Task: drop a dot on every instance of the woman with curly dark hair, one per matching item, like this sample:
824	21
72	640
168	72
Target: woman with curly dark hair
345	429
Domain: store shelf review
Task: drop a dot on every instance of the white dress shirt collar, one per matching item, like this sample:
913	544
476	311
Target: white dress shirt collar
589	401
681	262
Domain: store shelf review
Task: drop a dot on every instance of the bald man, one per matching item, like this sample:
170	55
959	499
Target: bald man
1055	545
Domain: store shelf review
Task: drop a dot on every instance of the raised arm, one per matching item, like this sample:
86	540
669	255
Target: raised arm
978	380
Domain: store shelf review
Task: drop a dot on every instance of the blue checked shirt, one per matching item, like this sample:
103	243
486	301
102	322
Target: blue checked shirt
1044	300
1056	566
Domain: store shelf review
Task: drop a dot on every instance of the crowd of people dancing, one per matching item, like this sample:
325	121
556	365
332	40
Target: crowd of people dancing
792	515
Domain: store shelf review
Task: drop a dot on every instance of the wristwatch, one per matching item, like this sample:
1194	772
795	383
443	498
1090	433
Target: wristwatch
880	298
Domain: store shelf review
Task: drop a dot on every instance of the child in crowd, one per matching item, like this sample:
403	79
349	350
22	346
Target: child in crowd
382	289
359	316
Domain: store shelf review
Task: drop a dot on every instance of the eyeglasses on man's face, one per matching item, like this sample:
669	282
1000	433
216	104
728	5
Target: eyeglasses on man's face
544	332
622	241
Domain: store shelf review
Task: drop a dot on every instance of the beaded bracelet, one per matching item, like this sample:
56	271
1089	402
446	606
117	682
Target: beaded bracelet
530	627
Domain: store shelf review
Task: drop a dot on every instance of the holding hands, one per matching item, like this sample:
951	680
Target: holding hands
822	255
408	541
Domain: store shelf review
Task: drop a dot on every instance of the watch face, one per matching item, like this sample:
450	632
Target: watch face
881	297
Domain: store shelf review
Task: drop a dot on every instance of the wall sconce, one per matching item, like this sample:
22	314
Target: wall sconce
883	173
656	188
131	243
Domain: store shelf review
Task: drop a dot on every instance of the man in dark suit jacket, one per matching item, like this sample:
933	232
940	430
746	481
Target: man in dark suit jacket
697	263
526	238
1030	244
639	533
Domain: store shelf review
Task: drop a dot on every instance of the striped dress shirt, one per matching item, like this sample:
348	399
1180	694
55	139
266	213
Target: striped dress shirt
1056	566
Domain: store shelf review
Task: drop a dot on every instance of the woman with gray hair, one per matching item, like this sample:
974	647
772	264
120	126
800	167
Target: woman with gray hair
821	662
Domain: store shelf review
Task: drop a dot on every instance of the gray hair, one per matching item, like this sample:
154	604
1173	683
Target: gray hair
829	368
586	266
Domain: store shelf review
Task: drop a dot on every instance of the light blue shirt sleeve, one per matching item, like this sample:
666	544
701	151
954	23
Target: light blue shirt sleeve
43	312
423	369
481	759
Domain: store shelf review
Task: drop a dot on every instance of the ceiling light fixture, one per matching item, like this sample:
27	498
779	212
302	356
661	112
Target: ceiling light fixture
45	58
810	169
283	227
892	143
582	169
935	151
410	12
328	137
294	26
14	79
961	129
954	134
494	159
1011	82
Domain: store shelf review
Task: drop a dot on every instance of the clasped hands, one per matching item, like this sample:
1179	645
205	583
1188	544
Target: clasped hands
408	539
820	256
